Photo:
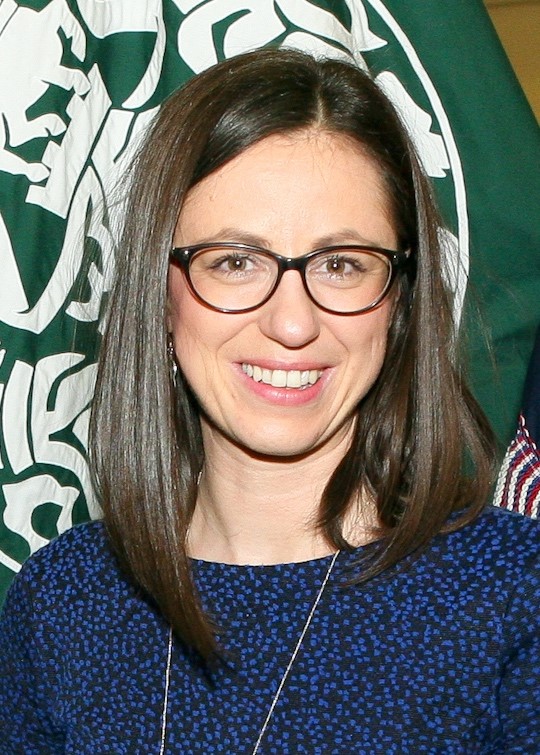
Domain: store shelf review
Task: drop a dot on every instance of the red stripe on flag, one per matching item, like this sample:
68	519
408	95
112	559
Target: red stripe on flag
518	486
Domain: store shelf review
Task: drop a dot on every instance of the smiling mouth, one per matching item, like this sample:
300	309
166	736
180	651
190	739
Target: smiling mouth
282	378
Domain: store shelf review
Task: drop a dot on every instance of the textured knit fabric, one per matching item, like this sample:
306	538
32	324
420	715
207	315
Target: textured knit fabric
439	657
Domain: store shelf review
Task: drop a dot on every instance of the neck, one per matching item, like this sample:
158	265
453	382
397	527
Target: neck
259	510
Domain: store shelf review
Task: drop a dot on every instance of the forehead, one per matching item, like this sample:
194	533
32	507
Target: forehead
289	189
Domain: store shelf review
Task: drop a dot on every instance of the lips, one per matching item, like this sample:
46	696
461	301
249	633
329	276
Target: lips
298	379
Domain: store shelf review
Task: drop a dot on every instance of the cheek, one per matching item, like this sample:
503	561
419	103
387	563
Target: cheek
189	335
186	316
183	322
367	340
372	327
198	333
194	352
177	292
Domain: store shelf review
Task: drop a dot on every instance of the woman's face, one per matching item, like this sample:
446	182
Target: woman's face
290	194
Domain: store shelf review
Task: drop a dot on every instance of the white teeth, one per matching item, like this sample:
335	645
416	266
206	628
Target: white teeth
278	378
282	378
293	379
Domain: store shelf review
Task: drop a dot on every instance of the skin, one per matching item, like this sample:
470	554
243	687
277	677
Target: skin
290	194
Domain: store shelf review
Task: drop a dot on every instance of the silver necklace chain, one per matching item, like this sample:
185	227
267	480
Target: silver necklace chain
282	682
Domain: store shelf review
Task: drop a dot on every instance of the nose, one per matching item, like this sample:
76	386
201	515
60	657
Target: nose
290	317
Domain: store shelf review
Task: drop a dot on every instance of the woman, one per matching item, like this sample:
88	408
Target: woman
295	557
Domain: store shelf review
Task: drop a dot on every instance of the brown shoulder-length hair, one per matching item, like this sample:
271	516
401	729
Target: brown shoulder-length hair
422	447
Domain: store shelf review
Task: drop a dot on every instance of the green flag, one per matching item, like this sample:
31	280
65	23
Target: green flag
80	82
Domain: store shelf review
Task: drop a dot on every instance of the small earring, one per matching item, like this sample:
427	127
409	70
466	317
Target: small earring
172	358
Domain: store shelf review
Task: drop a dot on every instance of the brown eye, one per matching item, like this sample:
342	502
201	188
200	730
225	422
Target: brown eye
236	264
233	263
335	265
338	267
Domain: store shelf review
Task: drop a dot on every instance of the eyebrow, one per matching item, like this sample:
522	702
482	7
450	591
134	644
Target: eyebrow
233	234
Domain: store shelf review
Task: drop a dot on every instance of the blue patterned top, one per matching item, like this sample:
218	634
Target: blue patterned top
440	657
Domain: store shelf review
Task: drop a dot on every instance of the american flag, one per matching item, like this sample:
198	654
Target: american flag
518	486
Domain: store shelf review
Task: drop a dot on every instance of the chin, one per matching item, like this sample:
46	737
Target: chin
284	446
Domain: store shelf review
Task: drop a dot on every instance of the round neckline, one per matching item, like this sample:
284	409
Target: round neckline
203	563
255	588
344	557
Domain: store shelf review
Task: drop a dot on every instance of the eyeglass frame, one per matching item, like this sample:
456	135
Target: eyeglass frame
399	262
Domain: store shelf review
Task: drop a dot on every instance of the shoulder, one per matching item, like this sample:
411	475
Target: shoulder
498	538
482	562
81	549
495	560
77	563
72	595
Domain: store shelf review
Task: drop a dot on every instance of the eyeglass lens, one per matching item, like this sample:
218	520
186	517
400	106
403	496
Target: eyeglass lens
343	281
